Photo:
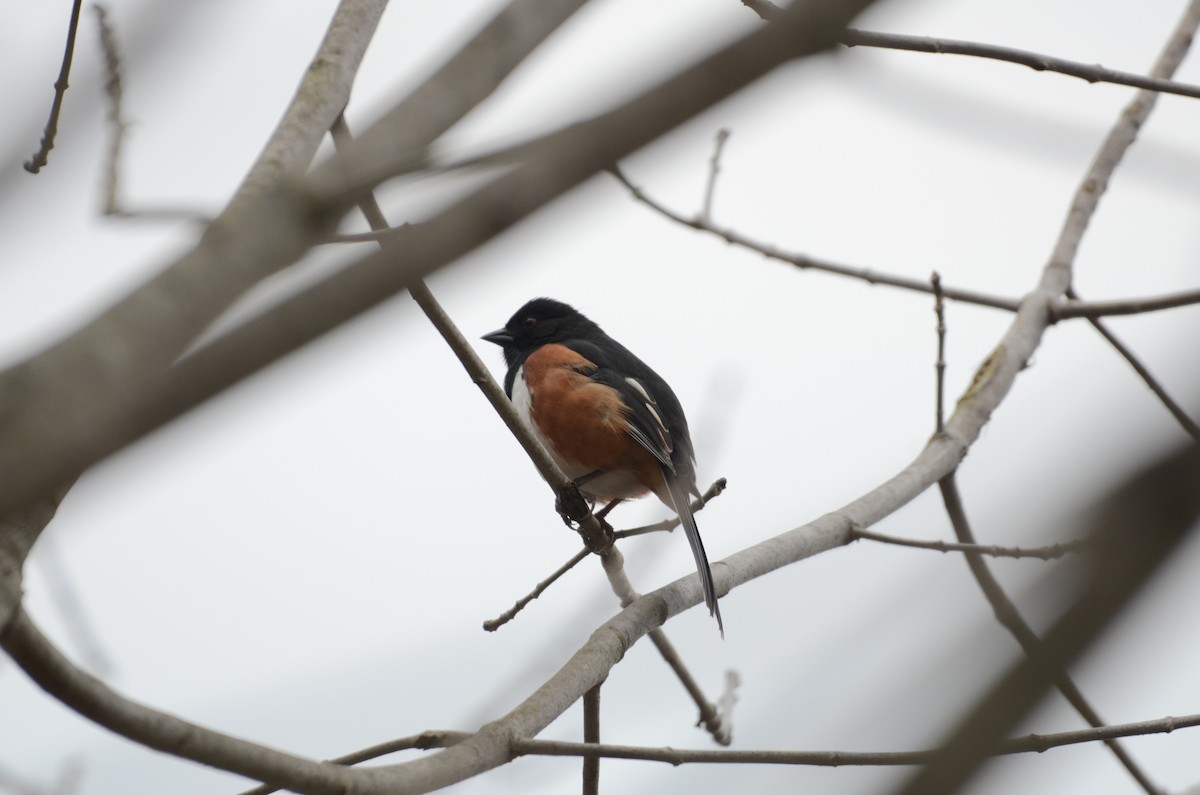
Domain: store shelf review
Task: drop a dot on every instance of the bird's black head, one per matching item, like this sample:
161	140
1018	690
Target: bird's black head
540	321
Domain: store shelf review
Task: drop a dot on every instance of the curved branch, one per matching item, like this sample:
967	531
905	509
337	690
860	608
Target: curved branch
87	695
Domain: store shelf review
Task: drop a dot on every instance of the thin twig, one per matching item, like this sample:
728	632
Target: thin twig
493	624
935	281
1031	743
116	121
1010	618
1027	744
804	261
34	164
714	722
1176	410
667	525
591	736
714	168
1129	306
1092	73
1051	552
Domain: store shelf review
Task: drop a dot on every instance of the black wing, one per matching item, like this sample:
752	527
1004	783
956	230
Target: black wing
657	423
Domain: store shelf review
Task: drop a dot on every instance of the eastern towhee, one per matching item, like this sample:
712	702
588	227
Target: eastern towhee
611	423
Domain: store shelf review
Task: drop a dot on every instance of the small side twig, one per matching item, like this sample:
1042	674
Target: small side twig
1128	306
1052	552
491	625
1027	744
42	156
1181	416
1092	73
805	262
116	121
668	525
935	280
714	168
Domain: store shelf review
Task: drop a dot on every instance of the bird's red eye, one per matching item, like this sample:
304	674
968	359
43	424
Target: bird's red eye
529	323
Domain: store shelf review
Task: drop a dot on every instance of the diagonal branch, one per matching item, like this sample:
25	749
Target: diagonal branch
1181	416
1010	618
54	430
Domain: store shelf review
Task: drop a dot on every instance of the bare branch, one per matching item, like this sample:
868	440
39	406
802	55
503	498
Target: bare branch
494	624
939	309
116	121
39	159
1051	552
1181	416
1032	743
136	340
1092	73
1010	618
158	730
596	536
1128	306
714	168
667	525
805	262
1136	527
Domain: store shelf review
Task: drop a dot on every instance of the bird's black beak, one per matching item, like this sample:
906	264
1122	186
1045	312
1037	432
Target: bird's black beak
500	336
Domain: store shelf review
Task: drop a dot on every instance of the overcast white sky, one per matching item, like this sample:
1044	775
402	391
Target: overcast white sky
306	561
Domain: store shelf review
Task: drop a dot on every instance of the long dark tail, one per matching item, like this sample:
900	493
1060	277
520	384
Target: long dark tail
683	507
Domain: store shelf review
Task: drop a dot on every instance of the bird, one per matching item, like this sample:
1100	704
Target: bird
611	423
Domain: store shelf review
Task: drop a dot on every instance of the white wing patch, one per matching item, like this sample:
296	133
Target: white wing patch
636	384
651	406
